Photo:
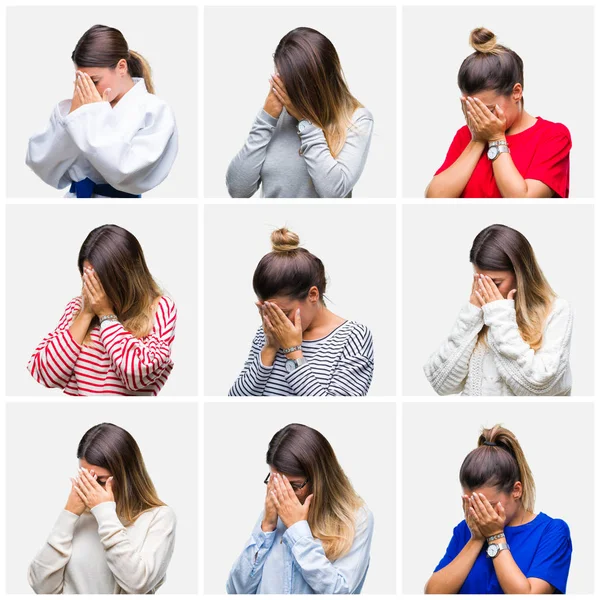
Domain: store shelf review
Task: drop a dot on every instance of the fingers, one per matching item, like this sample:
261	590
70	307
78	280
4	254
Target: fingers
280	87
106	95
471	112
500	511
109	485
298	321
307	502
486	507
289	490
275	499
81	495
274	313
85	480
480	298
481	110
511	294
474	508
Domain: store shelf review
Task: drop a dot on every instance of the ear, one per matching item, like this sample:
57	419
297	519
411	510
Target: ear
313	294
517	490
122	67
517	92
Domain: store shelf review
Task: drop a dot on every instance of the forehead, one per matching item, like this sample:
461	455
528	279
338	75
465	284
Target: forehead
291	478
283	302
489	97
491	493
493	274
92	71
98	470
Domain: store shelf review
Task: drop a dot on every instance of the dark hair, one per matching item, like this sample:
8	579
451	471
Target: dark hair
498	461
112	448
102	46
118	260
491	67
288	270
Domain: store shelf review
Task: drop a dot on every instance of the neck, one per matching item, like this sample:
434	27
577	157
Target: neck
521	516
128	85
322	317
523	121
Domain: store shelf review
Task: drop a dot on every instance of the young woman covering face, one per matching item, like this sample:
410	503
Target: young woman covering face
114	138
314	534
502	151
513	337
312	137
116	337
502	546
114	536
302	348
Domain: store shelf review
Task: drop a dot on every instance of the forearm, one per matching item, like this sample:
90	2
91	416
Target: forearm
80	326
255	374
451	182
508	179
450	579
510	577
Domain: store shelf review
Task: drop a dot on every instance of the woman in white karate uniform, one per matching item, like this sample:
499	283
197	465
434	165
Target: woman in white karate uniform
114	138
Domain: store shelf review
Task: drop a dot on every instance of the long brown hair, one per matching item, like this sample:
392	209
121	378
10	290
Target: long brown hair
302	451
310	68
112	448
288	270
102	46
118	260
491	67
498	461
501	248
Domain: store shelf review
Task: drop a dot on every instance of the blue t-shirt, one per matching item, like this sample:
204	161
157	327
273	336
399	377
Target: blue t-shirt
541	548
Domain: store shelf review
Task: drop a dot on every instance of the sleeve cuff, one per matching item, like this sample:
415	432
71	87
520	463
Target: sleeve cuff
263	115
108	323
263	368
105	511
65	523
497	308
82	111
296	532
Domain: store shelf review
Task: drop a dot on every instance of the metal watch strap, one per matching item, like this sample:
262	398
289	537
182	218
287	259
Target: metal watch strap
291	349
495	537
497	143
108	318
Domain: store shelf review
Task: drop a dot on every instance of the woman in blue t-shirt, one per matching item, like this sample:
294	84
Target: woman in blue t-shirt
502	546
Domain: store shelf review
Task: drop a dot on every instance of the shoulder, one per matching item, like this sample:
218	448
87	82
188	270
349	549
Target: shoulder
362	114
166	306
358	331
259	336
364	519
165	515
461	530
561	307
74	305
554	527
463	134
554	130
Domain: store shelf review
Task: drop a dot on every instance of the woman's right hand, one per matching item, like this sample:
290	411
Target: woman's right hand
475	533
269	522
74	504
76	102
272	342
473	298
272	105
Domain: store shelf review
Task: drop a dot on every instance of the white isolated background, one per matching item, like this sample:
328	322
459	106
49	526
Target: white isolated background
437	275
356	244
40	74
558	441
235	468
556	45
42	442
43	244
239	44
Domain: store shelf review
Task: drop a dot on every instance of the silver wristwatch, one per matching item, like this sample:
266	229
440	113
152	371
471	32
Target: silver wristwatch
291	364
494	549
495	149
302	125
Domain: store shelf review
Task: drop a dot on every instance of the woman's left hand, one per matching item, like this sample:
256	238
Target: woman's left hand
488	291
86	90
289	508
490	521
278	326
90	491
484	124
95	294
281	95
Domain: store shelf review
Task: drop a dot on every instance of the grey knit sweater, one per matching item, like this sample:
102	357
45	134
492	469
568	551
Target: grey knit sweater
288	164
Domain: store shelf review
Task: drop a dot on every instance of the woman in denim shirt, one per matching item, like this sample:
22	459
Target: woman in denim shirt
314	533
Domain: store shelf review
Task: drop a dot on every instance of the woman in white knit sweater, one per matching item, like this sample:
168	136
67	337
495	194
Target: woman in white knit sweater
114	536
513	337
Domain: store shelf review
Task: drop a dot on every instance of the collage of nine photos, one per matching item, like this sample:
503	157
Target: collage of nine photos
277	233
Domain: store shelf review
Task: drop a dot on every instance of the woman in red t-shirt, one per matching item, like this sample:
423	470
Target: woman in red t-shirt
502	151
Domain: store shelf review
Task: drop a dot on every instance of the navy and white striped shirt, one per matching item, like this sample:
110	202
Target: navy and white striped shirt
339	364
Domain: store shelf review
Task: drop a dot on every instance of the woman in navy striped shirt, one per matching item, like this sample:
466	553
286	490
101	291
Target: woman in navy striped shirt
302	348
116	337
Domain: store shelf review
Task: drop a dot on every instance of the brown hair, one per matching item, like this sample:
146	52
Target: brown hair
310	68
102	46
501	248
112	448
491	67
288	270
118	260
499	463
302	451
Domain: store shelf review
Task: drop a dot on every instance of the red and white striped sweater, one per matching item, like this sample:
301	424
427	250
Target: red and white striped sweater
113	361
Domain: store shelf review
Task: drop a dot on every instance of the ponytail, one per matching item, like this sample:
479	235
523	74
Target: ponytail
138	66
499	461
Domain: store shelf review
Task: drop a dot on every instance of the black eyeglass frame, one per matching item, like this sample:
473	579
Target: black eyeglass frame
295	486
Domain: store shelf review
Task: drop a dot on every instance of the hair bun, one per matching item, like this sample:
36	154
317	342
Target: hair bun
284	240
483	40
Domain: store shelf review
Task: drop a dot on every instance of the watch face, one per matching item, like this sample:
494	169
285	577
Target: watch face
493	152
290	365
492	550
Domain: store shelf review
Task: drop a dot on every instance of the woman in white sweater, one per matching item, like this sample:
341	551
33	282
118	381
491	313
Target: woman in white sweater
513	337
114	536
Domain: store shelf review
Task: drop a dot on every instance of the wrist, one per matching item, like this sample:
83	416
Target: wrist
498	138
268	526
495	537
105	312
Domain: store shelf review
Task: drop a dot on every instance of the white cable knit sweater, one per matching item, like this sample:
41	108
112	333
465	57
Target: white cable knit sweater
503	365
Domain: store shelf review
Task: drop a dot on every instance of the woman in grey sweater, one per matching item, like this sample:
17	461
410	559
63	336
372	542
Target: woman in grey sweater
312	137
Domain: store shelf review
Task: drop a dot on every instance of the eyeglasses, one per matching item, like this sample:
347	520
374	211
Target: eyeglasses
295	486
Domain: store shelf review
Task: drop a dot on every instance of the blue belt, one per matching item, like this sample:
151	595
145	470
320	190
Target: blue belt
86	187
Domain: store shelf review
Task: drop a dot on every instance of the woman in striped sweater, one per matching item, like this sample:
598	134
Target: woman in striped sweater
302	348
116	337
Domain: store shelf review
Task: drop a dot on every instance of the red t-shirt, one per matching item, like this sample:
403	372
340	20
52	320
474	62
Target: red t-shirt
540	152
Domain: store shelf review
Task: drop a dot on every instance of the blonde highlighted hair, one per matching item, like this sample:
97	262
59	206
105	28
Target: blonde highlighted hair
302	451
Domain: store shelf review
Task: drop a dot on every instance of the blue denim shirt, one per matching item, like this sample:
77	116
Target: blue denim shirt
292	561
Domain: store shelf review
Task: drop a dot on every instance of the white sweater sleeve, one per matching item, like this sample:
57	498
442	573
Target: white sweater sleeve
528	372
52	152
47	570
447	368
323	576
132	163
335	177
136	571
